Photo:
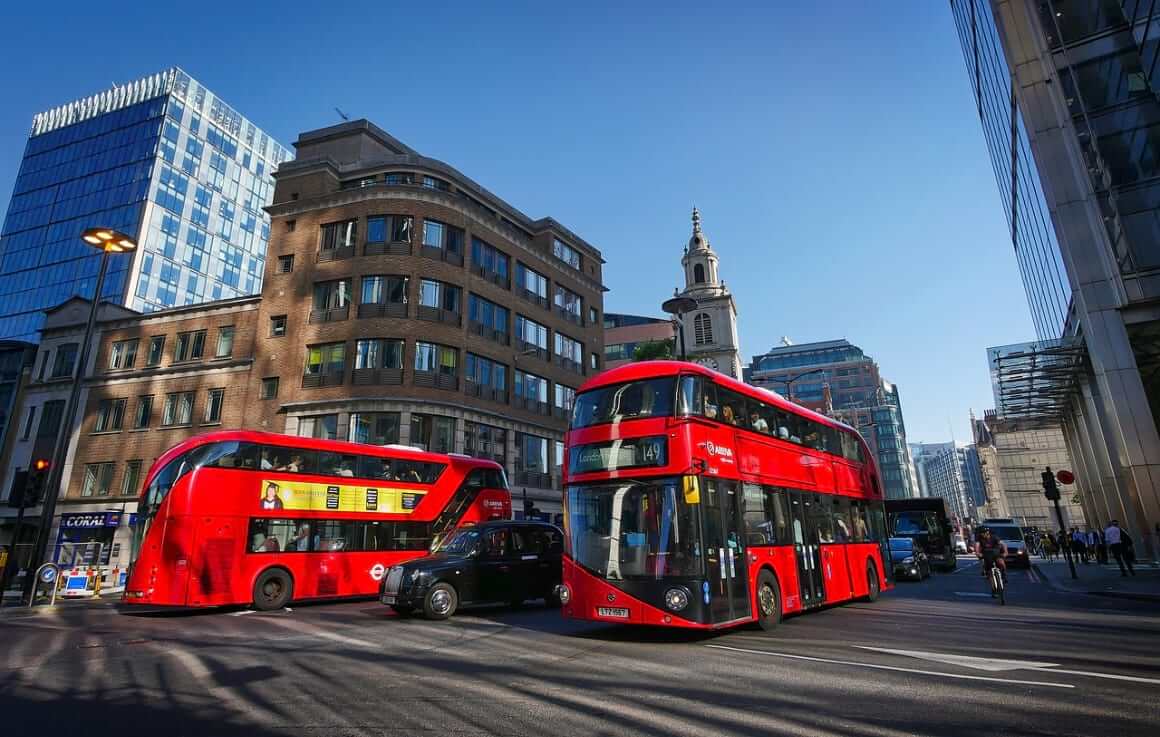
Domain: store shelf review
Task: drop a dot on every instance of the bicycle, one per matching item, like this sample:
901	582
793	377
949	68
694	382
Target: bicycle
998	589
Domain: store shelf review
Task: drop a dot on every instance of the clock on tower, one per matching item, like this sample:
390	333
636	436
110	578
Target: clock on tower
708	362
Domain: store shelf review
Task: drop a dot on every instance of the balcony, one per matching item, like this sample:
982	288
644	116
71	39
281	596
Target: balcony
335	254
438	314
532	405
569	365
534	478
377	377
531	349
393	248
485	331
534	298
436	380
560	413
383	309
441	254
485	392
570	316
314	381
500	280
336	314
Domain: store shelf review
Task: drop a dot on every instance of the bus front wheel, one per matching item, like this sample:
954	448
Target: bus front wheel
872	585
768	601
273	590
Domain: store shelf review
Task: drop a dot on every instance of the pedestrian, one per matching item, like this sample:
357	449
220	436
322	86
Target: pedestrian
1092	541
1078	545
1064	544
1117	541
1102	546
1049	548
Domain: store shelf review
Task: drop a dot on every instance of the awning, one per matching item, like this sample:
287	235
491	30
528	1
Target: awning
1034	381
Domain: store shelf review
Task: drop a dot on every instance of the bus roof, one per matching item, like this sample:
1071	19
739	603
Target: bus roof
641	370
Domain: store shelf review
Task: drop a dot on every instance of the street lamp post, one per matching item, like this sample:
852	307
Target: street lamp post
678	307
108	241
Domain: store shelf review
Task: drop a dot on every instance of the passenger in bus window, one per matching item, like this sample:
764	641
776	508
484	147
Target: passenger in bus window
727	415
267	463
301	541
758	422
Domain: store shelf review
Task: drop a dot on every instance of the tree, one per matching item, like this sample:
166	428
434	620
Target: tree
653	350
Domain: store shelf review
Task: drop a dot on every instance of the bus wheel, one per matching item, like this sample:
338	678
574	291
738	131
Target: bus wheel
872	585
272	590
440	602
768	601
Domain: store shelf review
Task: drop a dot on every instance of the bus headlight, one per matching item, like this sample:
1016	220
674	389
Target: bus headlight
564	594
676	599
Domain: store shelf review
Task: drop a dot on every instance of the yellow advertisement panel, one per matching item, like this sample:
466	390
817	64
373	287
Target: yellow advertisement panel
315	497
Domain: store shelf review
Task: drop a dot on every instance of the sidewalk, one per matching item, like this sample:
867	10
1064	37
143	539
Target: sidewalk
12	607
1103	580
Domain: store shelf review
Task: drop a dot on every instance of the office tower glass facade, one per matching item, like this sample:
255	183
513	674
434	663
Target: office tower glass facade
161	158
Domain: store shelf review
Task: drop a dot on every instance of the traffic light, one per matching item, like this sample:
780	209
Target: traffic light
1050	489
37	478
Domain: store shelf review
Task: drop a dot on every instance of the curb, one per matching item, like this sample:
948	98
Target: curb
1111	594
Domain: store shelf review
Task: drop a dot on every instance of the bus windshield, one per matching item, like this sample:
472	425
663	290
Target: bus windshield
634	530
628	401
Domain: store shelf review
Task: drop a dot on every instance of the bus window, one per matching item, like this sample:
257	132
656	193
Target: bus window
229	454
336	464
732	407
757	524
629	401
712	406
689	398
842	525
273	535
821	519
860	530
336	535
789	427
778	514
761	417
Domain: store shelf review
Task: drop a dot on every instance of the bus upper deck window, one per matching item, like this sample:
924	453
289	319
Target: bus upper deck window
689	398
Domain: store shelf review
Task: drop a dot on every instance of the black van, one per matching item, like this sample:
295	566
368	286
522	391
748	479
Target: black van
500	561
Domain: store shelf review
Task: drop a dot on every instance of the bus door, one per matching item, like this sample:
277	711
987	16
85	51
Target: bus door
725	552
806	548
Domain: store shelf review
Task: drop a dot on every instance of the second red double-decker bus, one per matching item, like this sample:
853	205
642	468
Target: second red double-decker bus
259	518
695	500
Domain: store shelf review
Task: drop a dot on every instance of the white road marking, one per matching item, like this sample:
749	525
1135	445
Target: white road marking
243	612
965	567
877	666
993	665
998	664
971	593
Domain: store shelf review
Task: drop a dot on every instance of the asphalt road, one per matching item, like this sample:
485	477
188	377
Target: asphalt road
1049	663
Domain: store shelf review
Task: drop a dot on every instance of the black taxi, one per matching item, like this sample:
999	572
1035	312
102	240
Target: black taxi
502	561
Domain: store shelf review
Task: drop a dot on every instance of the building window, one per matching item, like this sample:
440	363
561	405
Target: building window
434	358
396	228
593	316
565	397
225	342
433	183
291	226
156	350
375	428
433	432
189	346
98	479
438	295
531	456
569	304
702	329
269	387
566	253
66	361
698	274
277	326
531	388
331	295
399	177
28	423
123	354
490	261
110	415
50	418
532	282
378	353
339	235
132	478
570	351
485	441
443	236
486	373
326	360
594	361
178	409
285	264
488	315
532	333
213	406
144	412
324	427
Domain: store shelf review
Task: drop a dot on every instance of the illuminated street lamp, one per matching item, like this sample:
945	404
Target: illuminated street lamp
107	241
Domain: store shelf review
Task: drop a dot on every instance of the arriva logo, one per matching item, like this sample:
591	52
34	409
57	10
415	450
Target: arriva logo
721	451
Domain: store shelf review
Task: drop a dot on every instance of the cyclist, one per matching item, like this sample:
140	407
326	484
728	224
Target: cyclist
991	550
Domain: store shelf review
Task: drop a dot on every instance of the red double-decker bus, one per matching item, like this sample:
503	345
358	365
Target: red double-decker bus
259	518
695	500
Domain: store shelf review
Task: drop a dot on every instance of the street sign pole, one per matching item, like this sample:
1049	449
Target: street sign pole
1051	491
1059	517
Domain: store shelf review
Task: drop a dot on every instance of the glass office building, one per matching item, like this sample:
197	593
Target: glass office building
162	158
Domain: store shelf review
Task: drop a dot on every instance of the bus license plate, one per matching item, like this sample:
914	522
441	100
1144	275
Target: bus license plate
618	612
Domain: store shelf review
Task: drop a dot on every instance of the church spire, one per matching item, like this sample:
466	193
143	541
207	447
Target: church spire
698	242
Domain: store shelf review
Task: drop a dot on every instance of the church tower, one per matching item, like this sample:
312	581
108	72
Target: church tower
711	328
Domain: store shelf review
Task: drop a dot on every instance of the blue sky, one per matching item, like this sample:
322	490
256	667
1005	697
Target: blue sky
834	151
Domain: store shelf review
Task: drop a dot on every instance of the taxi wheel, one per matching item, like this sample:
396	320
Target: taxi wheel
440	602
273	590
768	602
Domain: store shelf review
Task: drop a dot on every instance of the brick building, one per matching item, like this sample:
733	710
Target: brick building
623	334
401	303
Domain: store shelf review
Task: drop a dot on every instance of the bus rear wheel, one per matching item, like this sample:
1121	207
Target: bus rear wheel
768	602
273	590
872	585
